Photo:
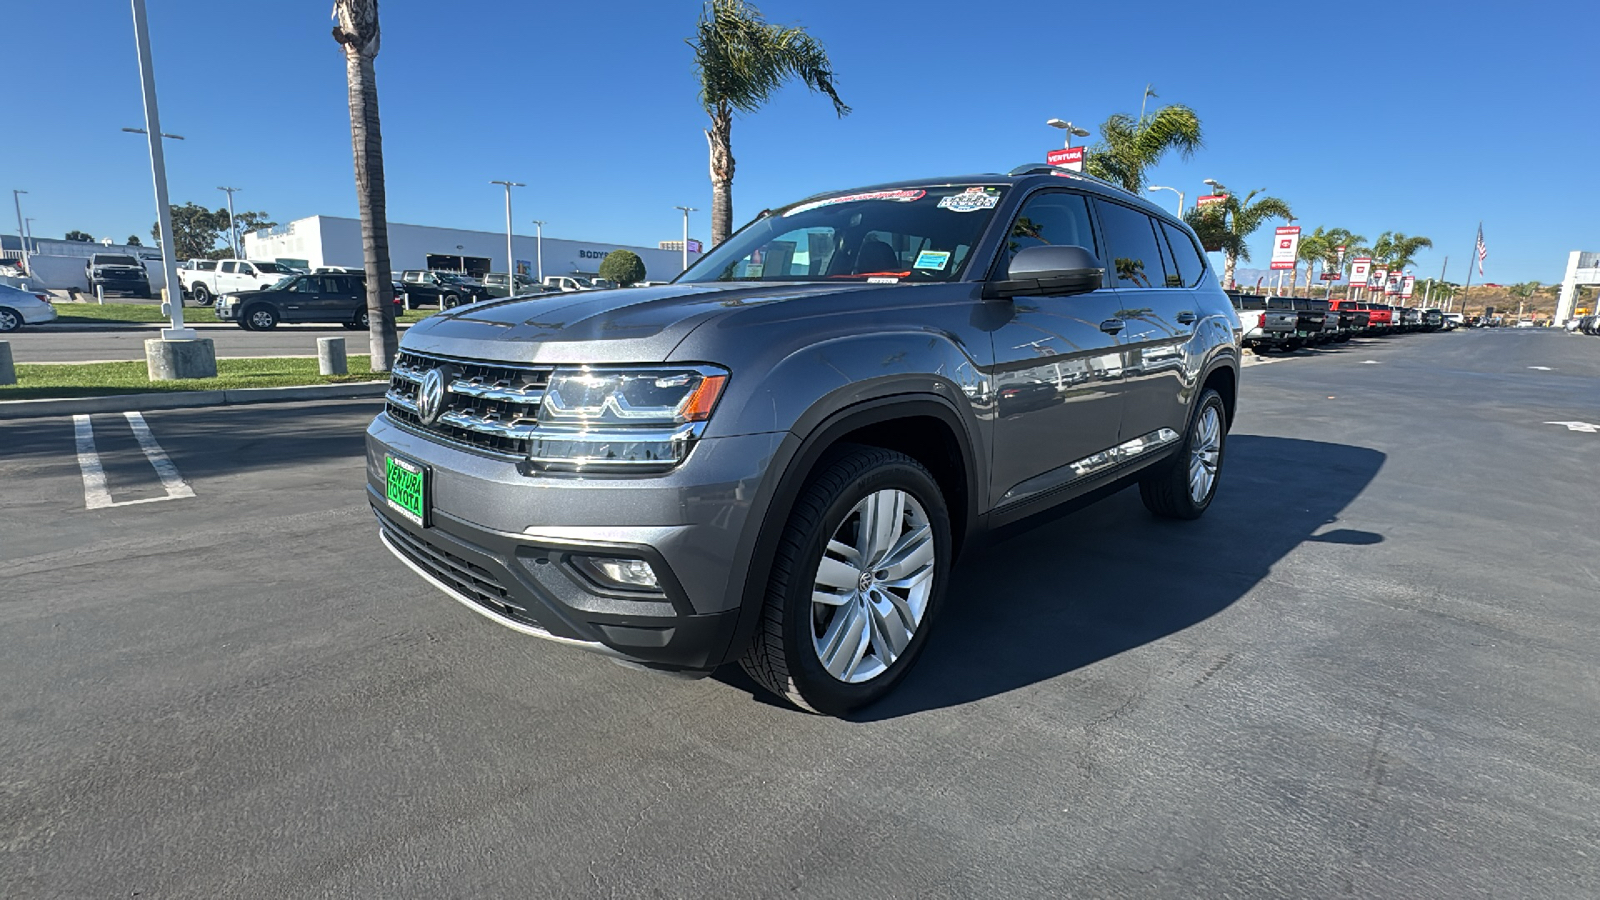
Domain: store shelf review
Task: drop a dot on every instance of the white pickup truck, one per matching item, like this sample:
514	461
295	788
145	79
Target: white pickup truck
213	278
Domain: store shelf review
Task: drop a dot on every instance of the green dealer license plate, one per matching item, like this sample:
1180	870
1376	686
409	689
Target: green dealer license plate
408	489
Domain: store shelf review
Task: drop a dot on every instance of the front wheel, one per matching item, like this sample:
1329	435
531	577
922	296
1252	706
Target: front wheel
859	575
10	320
450	301
1182	488
261	318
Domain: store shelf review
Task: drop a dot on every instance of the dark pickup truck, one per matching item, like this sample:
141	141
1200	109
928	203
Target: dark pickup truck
1275	328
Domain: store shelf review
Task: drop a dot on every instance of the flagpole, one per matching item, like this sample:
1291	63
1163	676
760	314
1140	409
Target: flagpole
1470	260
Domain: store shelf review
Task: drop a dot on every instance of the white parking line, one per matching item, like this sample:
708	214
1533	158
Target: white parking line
95	494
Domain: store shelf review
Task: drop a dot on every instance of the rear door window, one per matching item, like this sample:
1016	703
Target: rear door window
1191	263
1134	257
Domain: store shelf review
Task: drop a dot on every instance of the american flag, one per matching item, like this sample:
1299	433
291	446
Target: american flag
1483	249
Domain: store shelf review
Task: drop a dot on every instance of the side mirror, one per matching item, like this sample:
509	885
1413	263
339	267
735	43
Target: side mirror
1048	270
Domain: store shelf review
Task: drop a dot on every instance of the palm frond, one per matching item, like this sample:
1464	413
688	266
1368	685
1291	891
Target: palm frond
742	60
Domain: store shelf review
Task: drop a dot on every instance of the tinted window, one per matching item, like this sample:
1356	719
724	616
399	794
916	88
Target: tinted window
108	260
228	267
1134	258
1054	219
1184	252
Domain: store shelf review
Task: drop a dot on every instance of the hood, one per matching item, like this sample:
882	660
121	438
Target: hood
616	325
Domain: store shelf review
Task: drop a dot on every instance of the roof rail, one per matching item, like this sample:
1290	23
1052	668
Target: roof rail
1047	169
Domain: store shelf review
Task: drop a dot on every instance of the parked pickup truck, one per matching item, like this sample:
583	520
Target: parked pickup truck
1271	324
231	276
118	272
1353	316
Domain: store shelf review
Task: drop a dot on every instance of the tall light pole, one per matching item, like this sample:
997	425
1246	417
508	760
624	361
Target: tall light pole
158	174
27	241
686	211
511	259
233	231
1158	187
22	236
1069	128
538	246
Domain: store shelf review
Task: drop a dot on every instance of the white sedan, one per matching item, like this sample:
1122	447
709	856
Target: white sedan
19	308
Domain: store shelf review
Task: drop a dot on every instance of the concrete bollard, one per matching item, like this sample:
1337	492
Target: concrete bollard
331	358
170	360
100	294
8	372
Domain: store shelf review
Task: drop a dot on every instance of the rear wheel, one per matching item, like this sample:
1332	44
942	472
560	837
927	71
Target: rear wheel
202	295
859	576
1182	488
361	320
261	318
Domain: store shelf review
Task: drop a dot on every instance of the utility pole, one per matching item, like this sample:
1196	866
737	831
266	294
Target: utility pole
233	230
511	259
538	245
158	174
686	211
1447	306
22	238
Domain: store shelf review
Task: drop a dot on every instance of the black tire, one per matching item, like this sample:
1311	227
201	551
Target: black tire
202	295
449	301
10	320
260	318
1166	490
782	656
362	319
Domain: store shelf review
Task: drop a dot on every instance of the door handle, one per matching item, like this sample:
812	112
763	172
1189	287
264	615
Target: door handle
1112	326
1186	318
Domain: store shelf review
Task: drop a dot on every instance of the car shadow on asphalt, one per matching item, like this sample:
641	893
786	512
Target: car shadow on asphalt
1111	577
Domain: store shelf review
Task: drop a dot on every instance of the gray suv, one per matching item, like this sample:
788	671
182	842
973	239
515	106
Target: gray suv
776	458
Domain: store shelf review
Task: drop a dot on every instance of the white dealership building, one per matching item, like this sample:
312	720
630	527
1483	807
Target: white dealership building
336	241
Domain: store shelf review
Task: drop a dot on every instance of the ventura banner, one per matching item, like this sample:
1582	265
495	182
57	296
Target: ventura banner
1286	247
1407	285
1360	271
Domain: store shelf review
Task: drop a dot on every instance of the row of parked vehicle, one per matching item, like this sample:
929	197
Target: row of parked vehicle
1289	323
1585	325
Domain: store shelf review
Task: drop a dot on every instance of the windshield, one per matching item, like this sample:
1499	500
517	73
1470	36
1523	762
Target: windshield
267	268
116	260
283	283
916	235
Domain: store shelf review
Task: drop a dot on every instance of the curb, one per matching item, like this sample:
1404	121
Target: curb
33	409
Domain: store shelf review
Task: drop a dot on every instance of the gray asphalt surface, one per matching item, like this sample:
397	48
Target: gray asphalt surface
42	345
1369	671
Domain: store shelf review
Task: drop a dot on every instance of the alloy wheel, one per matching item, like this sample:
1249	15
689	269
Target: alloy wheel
872	586
1205	454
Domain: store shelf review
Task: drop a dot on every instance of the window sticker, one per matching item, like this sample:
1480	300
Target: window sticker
971	200
931	259
896	196
882	280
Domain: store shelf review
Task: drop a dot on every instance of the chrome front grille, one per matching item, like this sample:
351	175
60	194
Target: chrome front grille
489	406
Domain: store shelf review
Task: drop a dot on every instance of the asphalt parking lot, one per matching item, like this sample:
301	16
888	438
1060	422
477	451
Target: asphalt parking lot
1369	671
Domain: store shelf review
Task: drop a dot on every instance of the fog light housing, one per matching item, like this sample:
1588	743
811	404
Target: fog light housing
627	574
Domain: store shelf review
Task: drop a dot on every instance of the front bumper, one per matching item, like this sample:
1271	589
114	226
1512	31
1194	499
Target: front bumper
503	541
224	313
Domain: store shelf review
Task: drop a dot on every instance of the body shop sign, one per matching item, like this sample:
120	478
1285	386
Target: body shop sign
1285	246
1068	158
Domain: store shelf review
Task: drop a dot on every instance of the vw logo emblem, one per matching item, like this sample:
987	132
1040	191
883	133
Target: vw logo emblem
430	396
864	583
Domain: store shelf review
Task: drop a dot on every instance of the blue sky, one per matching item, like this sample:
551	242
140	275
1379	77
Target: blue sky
1424	120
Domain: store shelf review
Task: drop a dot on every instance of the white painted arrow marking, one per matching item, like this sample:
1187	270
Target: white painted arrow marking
1584	427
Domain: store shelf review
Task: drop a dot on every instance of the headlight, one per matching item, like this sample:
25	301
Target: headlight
598	420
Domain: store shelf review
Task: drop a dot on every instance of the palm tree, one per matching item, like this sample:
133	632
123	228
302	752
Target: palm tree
1227	226
741	61
1395	250
357	34
1313	247
1129	146
1323	246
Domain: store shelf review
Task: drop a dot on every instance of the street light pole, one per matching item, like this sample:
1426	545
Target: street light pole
158	174
1158	187
233	230
22	238
538	245
686	211
511	259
